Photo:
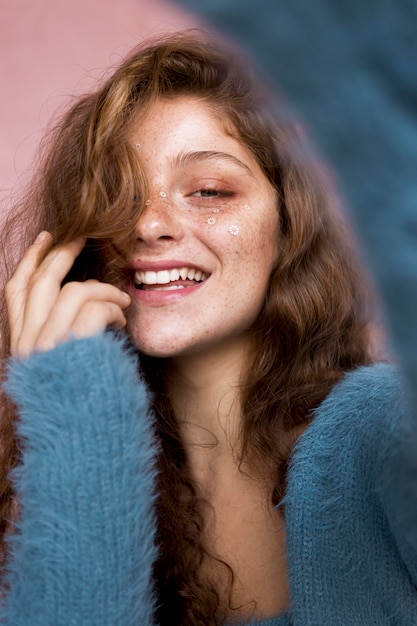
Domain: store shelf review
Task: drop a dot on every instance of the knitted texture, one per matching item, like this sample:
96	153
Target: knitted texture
85	547
351	513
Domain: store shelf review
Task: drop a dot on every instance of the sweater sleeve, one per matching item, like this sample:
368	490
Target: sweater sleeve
84	546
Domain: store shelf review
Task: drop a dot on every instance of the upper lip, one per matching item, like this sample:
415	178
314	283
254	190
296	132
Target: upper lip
157	266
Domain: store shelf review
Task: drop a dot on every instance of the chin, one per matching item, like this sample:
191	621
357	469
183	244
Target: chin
158	352
165	347
161	348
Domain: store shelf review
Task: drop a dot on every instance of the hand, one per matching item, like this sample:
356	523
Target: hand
43	314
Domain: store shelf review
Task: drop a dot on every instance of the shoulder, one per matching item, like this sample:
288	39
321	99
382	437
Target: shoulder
372	390
352	432
361	414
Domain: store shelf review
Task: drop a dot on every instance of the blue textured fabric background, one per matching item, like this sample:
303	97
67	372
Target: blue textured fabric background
349	70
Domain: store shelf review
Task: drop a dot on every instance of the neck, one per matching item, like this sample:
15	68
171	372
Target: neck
205	393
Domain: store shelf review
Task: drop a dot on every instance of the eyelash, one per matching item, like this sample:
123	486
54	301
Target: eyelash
212	193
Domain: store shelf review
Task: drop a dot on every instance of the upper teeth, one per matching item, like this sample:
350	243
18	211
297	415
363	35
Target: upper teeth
166	276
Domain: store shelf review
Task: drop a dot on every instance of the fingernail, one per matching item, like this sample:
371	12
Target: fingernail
126	295
43	235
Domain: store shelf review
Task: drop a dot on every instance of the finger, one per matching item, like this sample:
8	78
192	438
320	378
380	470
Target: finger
43	288
92	319
71	300
95	317
60	259
16	288
75	297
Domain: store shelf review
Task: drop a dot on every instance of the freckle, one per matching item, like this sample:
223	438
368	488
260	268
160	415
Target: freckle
163	194
211	220
234	230
216	210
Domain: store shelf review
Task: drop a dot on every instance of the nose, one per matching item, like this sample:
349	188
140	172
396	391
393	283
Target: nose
158	221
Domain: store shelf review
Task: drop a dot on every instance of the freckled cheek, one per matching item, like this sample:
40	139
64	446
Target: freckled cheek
232	236
215	228
260	251
218	212
235	221
217	224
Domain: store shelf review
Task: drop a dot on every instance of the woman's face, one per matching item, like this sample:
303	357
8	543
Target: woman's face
207	240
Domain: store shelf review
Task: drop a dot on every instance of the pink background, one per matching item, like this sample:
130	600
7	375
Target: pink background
52	49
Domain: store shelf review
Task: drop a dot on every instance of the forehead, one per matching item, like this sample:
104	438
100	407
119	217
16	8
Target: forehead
168	114
185	124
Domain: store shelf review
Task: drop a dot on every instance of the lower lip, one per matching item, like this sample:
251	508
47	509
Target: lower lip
160	297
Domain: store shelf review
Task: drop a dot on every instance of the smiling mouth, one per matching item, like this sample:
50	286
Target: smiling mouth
169	280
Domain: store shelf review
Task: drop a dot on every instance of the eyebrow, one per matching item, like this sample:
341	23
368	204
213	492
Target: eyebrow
209	155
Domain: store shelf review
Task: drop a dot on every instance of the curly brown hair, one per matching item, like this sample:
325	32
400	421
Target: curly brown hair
315	320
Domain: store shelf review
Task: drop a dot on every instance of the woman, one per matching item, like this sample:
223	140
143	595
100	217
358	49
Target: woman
171	206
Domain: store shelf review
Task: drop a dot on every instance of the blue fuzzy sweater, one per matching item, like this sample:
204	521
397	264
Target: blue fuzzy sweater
84	551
